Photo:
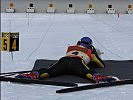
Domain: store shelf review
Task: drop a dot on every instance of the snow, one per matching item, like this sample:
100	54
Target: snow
47	36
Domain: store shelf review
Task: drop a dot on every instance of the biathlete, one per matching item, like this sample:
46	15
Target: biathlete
78	61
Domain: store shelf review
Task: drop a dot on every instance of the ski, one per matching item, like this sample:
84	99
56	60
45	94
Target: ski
13	73
37	81
93	86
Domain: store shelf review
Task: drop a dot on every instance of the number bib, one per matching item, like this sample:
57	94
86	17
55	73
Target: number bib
79	51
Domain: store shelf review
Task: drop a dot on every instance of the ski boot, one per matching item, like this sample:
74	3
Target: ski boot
31	75
101	78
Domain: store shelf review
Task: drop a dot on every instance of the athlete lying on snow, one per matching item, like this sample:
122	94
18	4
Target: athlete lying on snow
77	61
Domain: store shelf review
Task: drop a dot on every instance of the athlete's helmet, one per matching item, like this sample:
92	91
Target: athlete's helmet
85	41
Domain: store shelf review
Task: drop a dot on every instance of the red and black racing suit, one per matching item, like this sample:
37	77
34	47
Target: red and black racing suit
77	61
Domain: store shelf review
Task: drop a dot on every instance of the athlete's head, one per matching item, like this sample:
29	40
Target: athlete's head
85	42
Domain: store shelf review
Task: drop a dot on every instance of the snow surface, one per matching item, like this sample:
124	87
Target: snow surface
47	36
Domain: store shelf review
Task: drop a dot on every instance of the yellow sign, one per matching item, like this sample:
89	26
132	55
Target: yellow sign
90	5
129	6
10	41
50	5
11	5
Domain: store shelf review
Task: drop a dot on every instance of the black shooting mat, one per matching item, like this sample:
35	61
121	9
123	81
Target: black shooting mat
120	69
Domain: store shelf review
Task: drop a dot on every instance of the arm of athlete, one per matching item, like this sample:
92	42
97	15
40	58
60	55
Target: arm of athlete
96	59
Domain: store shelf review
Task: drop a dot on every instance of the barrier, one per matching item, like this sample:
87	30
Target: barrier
111	11
30	10
130	10
10	10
